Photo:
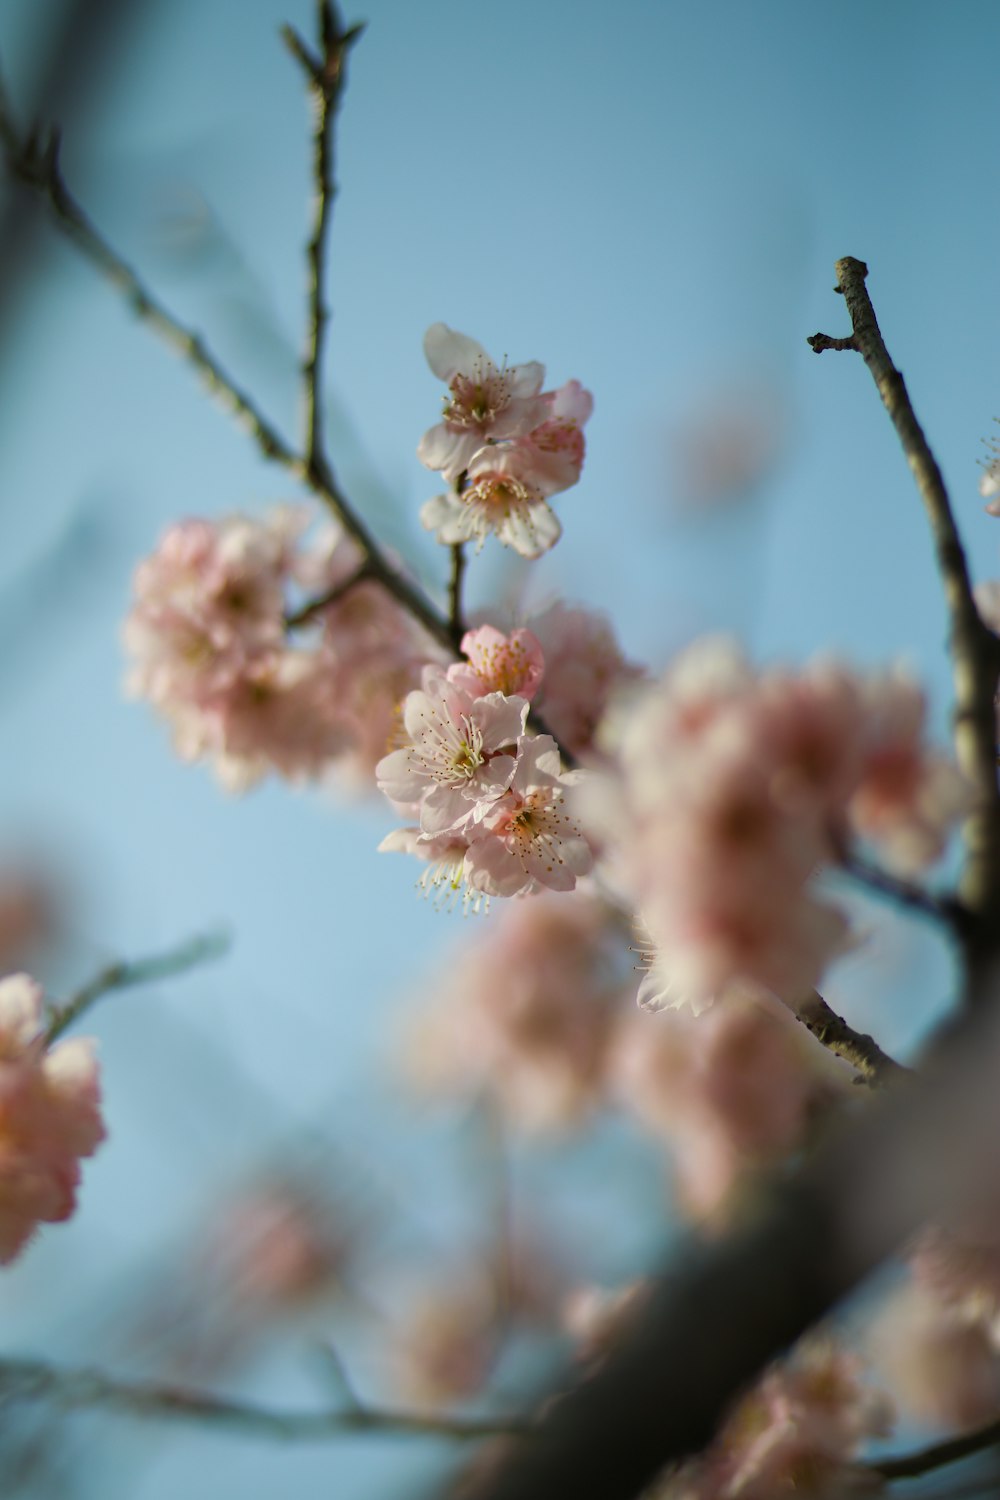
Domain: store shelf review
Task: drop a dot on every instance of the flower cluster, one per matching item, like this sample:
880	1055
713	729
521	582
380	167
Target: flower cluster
493	804
732	788
503	445
49	1117
209	644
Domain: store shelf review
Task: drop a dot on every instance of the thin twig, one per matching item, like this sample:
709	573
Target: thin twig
307	612
855	1047
327	77
975	649
456	617
33	1380
937	1455
38	167
124	975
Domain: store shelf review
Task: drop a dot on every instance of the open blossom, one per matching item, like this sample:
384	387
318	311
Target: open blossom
498	663
458	758
501	495
529	838
485	402
49	1117
732	788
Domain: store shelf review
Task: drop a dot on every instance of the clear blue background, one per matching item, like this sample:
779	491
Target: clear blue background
650	200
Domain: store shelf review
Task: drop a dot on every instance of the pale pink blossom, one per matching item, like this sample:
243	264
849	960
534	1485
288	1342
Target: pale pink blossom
584	668
730	789
524	1016
485	402
445	878
529	838
728	1091
501	495
942	1368
497	663
459	756
49	1117
550	456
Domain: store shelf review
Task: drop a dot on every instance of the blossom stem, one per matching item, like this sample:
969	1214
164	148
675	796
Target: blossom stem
307	612
456	618
327	76
33	1380
975	649
35	163
127	973
857	1048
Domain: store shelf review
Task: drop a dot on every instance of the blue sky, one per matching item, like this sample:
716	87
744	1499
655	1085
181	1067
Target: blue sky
651	203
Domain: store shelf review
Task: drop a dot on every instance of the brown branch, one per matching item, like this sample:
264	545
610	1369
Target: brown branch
306	613
942	909
974	648
73	1389
125	975
951	1451
327	77
854	1047
456	618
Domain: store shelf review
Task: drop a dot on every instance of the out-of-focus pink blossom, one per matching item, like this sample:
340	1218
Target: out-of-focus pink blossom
485	402
584	668
732	788
732	1089
497	663
524	1015
529	838
49	1117
941	1368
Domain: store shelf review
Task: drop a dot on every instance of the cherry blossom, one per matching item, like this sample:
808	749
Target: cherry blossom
529	837
497	663
49	1117
458	758
501	495
584	669
485	401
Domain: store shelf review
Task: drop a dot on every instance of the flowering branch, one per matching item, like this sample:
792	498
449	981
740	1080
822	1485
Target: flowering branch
857	1048
124	975
70	1389
35	163
975	649
326	75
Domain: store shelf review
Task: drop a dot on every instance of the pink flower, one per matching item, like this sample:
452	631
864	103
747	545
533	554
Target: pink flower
49	1117
584	668
501	495
550	456
458	757
485	401
529	838
497	663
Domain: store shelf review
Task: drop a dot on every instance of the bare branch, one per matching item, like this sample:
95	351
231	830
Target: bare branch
854	1047
122	976
327	77
74	1389
975	649
305	615
941	909
456	618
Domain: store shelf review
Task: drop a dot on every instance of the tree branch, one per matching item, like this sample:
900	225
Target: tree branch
73	1389
327	77
854	1047
975	649
307	612
456	618
124	975
951	1451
